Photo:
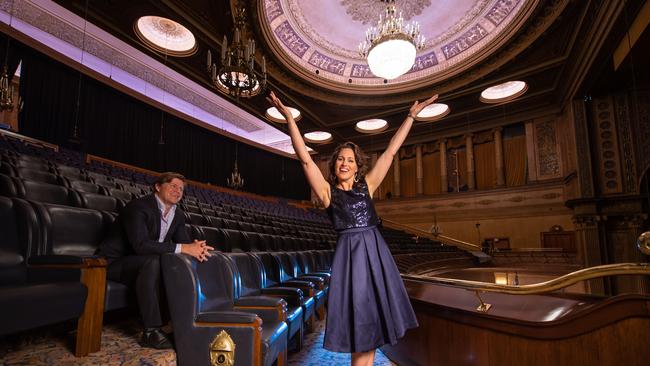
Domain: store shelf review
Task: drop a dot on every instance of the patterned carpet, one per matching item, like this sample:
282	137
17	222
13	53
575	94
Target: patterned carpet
120	347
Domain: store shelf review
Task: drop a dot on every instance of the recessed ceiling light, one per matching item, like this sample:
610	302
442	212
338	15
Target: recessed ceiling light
371	125
165	35
318	137
433	112
505	92
274	115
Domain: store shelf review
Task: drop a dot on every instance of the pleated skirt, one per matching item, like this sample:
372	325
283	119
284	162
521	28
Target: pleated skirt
367	305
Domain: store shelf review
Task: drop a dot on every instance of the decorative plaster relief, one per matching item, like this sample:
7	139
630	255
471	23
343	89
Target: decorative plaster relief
273	9
291	39
500	11
464	42
606	144
366	11
548	159
625	134
326	63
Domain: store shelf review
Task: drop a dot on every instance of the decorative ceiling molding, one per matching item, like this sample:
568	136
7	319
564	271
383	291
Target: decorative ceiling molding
327	61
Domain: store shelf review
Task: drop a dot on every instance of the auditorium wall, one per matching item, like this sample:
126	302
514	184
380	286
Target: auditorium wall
62	106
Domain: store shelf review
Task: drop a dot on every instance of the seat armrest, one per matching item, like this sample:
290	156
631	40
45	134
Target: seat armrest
66	261
215	318
270	309
258	301
293	296
308	288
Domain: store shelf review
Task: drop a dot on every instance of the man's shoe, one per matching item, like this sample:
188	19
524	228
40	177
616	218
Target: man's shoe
155	338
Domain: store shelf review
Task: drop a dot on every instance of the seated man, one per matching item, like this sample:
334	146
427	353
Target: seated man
146	228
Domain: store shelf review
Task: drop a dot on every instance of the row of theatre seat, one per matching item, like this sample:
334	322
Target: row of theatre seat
47	245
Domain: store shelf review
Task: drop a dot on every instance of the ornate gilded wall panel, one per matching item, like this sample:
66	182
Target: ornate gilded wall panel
547	149
626	147
605	137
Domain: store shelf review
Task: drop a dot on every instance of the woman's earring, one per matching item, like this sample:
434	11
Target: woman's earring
356	178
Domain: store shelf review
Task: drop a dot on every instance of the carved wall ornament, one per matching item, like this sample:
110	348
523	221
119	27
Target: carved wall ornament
607	145
628	160
517	199
486	202
548	157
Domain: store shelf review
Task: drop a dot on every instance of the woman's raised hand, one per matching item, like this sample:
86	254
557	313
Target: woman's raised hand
417	107
277	103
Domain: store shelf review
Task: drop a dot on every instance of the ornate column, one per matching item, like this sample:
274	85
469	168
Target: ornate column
589	246
469	151
419	179
622	234
444	180
498	156
396	178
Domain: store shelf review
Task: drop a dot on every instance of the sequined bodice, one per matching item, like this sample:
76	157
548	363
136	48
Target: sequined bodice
353	208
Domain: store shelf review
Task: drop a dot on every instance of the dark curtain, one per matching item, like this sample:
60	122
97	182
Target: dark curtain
119	127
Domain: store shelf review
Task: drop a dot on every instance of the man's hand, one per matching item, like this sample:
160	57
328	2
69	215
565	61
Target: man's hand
197	249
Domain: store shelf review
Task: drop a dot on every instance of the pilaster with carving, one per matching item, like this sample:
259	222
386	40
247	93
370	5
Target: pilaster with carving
469	150
419	177
590	248
444	180
582	142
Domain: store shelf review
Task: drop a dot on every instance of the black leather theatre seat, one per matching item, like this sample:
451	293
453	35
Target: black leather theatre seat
271	267
203	302
249	275
31	297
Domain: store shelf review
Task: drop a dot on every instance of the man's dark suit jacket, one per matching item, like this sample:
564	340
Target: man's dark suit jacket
137	230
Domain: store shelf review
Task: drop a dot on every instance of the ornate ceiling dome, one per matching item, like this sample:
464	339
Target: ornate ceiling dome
318	39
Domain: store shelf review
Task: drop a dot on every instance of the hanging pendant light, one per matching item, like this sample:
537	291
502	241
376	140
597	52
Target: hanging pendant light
390	47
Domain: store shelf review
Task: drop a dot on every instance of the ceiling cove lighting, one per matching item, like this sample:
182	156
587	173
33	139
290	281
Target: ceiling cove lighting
318	137
390	47
433	112
165	35
508	91
371	125
275	116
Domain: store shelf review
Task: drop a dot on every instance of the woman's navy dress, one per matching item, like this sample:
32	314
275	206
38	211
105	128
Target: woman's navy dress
367	304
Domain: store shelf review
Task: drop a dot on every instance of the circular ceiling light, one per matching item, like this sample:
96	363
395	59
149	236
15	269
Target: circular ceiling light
274	115
165	35
505	92
318	137
371	126
433	112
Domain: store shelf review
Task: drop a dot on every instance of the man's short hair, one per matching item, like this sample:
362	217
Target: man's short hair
166	178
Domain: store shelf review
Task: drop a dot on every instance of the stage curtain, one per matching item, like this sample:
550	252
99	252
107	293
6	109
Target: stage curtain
431	173
514	150
119	127
408	177
485	165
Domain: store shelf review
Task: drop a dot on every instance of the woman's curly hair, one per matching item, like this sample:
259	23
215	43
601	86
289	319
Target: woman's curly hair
359	157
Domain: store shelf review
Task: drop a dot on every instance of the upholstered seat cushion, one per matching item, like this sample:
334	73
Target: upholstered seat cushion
40	304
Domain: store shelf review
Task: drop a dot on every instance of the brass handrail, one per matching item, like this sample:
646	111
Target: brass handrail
542	287
436	237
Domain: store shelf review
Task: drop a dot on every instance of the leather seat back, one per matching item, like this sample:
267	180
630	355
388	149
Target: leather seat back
70	230
19	227
49	193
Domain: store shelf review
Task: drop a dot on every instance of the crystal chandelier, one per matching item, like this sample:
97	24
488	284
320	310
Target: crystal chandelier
391	46
6	93
235	181
237	75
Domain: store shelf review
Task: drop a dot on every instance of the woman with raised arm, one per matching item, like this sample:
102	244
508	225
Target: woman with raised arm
367	304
